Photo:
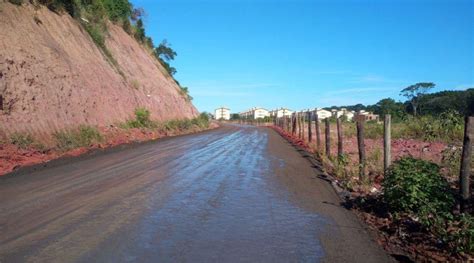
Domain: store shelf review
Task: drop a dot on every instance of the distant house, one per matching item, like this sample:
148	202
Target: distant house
278	113
343	112
323	114
368	116
255	113
222	113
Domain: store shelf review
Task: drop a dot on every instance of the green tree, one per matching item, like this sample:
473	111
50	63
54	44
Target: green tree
165	52
140	31
389	106
414	92
118	9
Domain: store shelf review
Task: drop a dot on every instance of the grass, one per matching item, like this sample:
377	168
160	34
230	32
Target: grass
135	84
96	32
448	129
21	140
82	137
142	120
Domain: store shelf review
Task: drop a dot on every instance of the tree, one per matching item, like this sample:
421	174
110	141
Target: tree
164	51
235	116
140	31
389	106
137	13
413	92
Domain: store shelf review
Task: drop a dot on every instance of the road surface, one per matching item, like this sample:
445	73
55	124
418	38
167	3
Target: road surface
235	194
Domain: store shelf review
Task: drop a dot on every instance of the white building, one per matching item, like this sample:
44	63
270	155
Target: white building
323	114
278	113
255	113
343	112
222	113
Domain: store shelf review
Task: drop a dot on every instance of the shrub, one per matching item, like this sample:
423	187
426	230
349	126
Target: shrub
16	2
416	187
184	91
142	116
82	137
202	121
135	84
57	6
462	236
447	127
21	140
142	120
451	160
373	130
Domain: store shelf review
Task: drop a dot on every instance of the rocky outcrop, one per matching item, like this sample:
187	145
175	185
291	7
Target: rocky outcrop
54	77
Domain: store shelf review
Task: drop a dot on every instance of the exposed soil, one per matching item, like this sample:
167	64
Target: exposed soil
12	157
54	77
233	194
404	238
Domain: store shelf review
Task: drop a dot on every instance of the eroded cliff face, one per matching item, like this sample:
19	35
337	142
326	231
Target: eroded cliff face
54	77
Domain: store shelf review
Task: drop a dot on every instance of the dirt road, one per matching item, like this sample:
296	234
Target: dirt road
235	194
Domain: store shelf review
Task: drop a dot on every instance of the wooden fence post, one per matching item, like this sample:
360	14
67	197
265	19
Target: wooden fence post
299	125
303	121
310	132
387	142
464	176
361	146
328	138
318	131
340	151
293	123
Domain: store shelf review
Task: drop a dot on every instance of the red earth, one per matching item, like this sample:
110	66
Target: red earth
13	157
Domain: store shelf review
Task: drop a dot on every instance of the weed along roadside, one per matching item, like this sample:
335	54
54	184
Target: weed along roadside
22	150
413	192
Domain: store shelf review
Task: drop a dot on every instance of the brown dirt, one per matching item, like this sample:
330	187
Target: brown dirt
237	193
54	77
403	238
12	157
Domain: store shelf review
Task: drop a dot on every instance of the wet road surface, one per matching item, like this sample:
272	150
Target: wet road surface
235	194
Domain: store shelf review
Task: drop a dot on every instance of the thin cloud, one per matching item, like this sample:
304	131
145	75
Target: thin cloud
464	86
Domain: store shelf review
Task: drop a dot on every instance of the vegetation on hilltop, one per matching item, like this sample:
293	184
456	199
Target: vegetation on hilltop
432	104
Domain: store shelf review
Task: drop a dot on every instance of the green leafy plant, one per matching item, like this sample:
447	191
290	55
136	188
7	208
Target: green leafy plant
82	137
21	140
451	160
462	235
142	120
185	92
416	187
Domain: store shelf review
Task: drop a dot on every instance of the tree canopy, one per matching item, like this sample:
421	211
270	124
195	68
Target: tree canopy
413	92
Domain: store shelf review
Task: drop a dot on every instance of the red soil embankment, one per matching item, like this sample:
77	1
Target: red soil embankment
54	77
12	157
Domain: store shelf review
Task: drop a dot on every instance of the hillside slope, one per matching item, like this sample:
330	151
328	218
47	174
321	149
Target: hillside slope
54	77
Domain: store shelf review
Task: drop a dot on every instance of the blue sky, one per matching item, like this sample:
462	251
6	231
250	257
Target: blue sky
306	54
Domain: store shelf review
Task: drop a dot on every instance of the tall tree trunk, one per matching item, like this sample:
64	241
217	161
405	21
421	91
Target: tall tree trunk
413	105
